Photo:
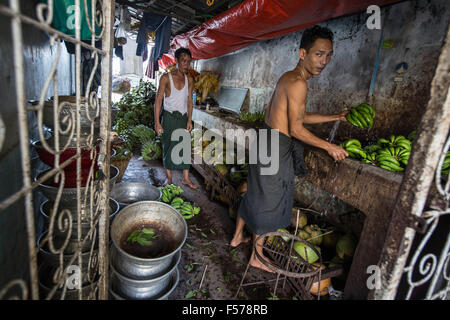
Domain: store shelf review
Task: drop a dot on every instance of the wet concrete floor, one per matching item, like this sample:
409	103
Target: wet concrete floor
209	268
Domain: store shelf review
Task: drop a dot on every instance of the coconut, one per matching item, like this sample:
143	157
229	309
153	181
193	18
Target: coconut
287	239
336	262
330	239
302	219
303	249
346	246
315	234
303	234
324	284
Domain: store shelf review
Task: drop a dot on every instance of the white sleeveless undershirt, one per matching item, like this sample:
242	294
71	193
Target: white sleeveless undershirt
177	101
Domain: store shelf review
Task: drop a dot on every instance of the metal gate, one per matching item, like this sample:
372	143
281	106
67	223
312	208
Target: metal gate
70	260
415	262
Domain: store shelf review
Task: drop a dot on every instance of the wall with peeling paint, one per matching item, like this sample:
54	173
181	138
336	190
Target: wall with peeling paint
38	60
417	29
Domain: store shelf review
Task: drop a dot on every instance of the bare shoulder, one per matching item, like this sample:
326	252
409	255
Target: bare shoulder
164	77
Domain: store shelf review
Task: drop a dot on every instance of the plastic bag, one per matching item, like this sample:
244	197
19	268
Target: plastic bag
120	34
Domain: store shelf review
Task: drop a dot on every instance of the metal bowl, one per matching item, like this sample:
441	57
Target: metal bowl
129	192
70	108
141	213
164	295
60	236
142	289
46	207
88	290
69	196
50	262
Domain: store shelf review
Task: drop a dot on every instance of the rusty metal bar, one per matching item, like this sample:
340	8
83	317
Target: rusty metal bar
431	136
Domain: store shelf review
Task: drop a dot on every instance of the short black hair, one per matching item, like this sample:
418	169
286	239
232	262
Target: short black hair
311	34
180	51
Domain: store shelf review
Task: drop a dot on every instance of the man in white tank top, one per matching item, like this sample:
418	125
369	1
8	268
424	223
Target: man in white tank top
175	88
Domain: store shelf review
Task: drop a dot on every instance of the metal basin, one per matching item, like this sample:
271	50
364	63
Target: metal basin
60	236
129	192
50	262
88	292
142	213
69	196
68	109
164	295
142	289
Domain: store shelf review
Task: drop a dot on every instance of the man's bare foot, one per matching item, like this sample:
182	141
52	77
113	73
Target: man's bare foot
167	182
190	184
256	263
237	240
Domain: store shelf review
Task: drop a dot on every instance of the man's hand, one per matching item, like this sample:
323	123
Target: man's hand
342	115
336	152
189	126
158	128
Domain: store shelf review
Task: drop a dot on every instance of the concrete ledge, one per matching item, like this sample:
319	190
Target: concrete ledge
365	187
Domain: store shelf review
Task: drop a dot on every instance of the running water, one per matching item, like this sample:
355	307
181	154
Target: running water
333	131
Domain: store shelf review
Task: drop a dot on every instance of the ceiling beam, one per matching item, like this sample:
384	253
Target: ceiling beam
164	13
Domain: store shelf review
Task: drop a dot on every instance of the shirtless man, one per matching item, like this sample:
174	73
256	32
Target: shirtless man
176	89
267	205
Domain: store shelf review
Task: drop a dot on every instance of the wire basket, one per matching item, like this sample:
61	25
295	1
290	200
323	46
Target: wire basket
300	273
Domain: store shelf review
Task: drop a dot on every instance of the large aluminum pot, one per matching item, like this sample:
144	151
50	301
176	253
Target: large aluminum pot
50	262
47	206
59	235
129	192
69	108
141	213
142	289
69	196
88	290
164	295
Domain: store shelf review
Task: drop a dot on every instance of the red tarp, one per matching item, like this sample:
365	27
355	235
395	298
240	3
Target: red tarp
255	20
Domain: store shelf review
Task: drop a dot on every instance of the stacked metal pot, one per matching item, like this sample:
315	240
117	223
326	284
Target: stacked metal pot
150	278
60	243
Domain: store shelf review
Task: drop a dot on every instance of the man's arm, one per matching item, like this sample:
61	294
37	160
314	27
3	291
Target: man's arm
296	96
311	118
158	103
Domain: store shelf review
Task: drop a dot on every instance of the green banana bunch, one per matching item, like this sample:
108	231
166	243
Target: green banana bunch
372	148
169	192
361	116
371	159
177	202
188	210
396	141
390	158
446	165
353	147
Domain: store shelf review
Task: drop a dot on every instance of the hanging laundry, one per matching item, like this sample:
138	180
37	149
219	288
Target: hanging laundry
162	25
